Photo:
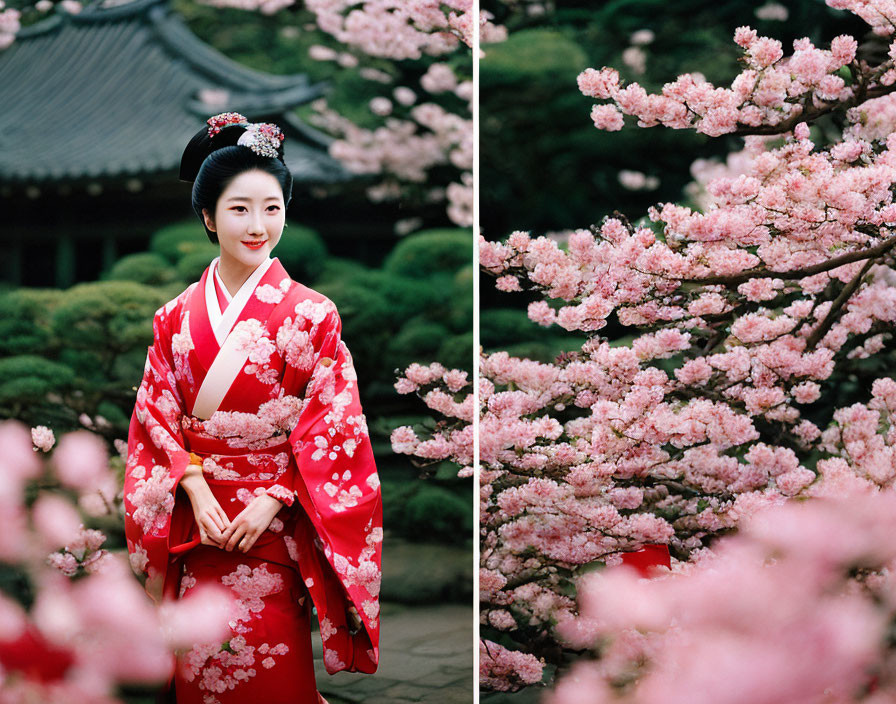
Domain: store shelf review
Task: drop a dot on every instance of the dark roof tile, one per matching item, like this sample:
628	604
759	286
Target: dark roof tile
115	91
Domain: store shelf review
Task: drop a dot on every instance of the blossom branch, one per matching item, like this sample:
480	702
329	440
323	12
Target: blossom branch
837	306
870	253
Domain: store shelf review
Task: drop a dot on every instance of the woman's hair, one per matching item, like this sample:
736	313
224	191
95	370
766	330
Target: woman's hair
214	157
222	166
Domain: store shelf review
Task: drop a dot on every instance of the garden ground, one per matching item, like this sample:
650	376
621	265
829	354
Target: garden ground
426	655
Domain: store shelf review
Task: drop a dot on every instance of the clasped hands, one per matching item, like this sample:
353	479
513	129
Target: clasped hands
215	528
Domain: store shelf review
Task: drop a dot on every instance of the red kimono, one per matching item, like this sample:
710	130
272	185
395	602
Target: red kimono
263	389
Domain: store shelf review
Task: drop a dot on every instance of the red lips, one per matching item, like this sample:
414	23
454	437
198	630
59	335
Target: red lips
254	245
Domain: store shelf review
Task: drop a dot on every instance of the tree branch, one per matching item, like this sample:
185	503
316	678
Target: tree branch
847	258
838	303
862	94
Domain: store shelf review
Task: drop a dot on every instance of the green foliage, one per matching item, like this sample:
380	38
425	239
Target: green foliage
545	351
29	378
351	94
337	269
25	325
546	53
144	268
568	176
111	315
419	307
112	413
375	307
75	351
191	266
91	366
435	514
302	253
405	297
457	352
375	300
416	342
427	512
460	317
366	326
363	309
499	327
511	330
430	252
177	241
128	367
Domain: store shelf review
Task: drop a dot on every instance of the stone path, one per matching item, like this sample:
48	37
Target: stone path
426	655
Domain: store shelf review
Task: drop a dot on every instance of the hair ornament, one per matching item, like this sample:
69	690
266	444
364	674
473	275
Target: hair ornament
263	138
217	122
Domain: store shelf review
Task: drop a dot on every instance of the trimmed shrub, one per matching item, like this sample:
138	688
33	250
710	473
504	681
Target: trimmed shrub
457	351
145	268
192	265
25	326
302	253
177	241
113	316
29	378
429	252
417	341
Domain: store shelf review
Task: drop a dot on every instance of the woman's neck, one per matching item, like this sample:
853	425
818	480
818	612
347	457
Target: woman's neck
234	273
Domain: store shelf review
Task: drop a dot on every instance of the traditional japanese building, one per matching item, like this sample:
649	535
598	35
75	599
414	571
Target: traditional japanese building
95	110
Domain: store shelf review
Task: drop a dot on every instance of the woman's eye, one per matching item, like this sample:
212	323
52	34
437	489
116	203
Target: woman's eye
274	207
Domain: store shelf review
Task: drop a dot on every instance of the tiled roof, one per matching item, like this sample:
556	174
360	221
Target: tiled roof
117	91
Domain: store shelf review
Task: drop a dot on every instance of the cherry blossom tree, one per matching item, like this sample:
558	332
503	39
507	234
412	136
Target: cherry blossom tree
746	316
425	110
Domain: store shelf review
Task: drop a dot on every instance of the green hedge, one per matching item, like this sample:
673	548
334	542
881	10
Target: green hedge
430	253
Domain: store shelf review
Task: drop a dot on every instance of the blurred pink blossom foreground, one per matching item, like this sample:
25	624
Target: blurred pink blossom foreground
795	608
80	638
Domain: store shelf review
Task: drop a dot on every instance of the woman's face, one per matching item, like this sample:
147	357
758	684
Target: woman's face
249	219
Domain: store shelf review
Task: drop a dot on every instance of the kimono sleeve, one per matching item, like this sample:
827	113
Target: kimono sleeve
156	460
338	484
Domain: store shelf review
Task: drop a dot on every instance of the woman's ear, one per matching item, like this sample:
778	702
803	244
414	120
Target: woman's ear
209	222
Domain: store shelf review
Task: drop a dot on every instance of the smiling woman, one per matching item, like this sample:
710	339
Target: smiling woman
249	461
247	222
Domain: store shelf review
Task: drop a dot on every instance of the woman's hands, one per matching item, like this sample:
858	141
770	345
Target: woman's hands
353	618
251	522
209	515
215	528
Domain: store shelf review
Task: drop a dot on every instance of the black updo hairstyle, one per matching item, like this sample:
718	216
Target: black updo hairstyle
211	163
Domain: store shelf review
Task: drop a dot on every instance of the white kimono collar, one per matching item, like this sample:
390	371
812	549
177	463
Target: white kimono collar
222	324
220	281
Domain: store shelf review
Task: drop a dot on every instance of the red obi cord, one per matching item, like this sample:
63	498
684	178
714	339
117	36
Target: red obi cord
647	557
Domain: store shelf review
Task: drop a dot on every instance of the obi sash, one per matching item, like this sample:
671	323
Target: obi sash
270	546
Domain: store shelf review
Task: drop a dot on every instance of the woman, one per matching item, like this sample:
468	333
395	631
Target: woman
249	462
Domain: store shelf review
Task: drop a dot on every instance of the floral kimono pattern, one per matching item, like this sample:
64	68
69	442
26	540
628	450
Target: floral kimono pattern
265	393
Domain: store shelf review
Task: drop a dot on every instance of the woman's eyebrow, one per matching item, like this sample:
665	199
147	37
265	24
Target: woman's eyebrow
247	198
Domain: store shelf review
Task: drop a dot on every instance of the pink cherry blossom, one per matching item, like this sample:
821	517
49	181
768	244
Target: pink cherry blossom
81	460
56	520
775	612
43	438
201	616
